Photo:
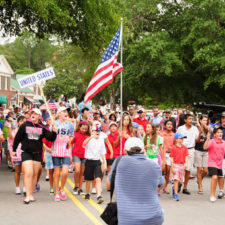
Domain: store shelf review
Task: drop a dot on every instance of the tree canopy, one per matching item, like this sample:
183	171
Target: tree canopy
173	50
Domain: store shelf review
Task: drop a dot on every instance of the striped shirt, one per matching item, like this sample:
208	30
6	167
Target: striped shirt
136	183
60	147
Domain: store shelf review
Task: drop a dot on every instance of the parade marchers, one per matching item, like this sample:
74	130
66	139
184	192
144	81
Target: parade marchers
87	140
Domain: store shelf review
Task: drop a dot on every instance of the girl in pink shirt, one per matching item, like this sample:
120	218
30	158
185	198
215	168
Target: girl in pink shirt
216	149
16	159
168	142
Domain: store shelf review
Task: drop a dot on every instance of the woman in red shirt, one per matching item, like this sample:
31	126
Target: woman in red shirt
82	132
127	132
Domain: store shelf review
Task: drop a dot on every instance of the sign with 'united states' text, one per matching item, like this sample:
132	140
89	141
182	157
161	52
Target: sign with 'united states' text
37	77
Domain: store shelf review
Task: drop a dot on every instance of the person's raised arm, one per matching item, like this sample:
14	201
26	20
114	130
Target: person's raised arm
206	144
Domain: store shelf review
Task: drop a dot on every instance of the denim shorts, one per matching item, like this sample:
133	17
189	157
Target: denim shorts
77	159
17	163
60	161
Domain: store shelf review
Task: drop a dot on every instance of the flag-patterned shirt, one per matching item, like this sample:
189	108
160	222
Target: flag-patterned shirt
60	147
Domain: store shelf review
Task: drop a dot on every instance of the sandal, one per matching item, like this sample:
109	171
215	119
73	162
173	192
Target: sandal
32	199
26	201
200	192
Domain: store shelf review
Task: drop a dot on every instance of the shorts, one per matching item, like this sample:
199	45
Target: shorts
168	160
48	161
60	161
215	171
77	159
179	171
6	147
92	169
17	163
191	158
109	162
25	156
201	159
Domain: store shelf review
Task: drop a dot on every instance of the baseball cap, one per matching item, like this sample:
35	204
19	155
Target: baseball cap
134	142
113	123
223	114
179	135
135	125
96	126
63	108
37	111
141	110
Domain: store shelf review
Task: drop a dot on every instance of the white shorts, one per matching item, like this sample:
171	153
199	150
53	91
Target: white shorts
168	160
191	159
224	167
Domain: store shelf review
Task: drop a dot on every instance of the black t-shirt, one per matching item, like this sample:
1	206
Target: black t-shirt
199	145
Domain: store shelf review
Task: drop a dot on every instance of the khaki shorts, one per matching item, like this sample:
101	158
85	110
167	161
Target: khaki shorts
201	158
191	159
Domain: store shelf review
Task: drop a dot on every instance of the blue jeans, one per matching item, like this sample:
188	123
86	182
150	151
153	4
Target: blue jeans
60	161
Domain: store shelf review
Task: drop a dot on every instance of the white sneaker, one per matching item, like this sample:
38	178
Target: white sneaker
212	199
93	191
17	190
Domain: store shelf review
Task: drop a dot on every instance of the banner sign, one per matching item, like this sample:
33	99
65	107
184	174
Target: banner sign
37	77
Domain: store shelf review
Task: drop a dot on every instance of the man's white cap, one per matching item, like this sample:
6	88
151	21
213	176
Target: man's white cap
63	108
37	111
134	142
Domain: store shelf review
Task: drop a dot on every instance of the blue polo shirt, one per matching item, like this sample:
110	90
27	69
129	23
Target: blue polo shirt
136	183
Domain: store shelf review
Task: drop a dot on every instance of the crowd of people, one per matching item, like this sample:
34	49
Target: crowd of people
88	141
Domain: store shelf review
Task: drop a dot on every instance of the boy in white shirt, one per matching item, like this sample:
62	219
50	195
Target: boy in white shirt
94	154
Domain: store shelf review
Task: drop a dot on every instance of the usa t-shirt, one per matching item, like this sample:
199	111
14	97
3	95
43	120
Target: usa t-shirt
60	147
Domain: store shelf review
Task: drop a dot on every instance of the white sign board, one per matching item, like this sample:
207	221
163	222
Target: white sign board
37	77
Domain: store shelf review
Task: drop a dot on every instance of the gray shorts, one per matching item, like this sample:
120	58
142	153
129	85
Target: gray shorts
201	158
77	159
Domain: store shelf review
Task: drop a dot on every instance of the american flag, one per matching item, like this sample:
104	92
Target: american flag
107	69
51	105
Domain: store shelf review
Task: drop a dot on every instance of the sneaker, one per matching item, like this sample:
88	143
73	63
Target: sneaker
221	194
47	178
63	195
100	199
176	197
17	191
75	191
212	199
80	192
93	191
51	191
37	188
179	187
87	196
57	198
165	191
186	192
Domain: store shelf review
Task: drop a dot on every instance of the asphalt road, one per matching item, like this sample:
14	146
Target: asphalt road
190	210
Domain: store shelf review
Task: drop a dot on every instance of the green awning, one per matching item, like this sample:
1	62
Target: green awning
3	99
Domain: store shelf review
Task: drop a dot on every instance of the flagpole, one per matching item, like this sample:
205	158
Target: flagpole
121	85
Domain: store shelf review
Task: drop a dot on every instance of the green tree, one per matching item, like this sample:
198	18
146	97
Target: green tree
175	51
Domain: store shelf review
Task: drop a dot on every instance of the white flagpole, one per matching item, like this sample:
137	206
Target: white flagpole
121	84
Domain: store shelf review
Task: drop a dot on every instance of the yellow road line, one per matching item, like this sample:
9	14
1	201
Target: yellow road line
82	208
91	201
